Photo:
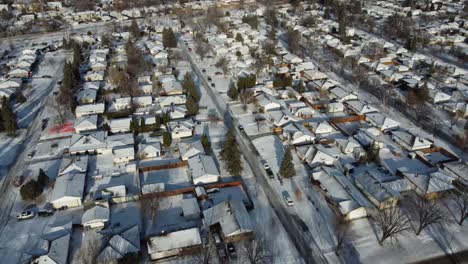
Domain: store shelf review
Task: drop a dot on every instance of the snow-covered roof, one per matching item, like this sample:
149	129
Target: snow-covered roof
202	165
69	185
174	240
97	213
231	215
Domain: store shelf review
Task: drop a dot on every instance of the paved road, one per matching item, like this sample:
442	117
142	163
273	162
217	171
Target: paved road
8	191
302	240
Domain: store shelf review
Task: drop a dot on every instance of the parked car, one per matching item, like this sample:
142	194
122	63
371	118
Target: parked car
212	190
270	173
287	198
18	180
241	128
231	250
216	238
31	154
265	165
25	215
222	254
45	212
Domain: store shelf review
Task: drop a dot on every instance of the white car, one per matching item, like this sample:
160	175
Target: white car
25	215
287	198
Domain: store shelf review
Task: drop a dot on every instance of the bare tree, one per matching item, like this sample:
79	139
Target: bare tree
90	248
62	111
150	206
460	200
424	212
391	222
341	232
257	251
204	256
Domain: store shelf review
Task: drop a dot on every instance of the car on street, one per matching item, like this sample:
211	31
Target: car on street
31	154
216	239
18	180
45	212
241	128
287	198
232	251
25	215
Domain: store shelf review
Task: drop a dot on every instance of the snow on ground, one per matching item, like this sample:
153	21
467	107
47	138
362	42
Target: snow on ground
310	207
267	223
9	147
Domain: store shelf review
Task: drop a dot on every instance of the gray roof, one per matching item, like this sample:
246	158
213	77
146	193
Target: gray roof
59	249
73	165
91	141
375	188
201	165
231	216
96	213
69	185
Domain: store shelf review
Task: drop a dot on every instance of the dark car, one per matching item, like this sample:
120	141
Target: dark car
222	254
45	212
231	250
241	128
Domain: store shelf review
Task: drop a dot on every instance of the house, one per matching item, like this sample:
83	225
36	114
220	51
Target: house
267	103
176	243
321	155
342	95
360	108
121	245
58	252
18	73
89	109
73	165
409	141
120	125
122	148
94	76
96	217
68	190
281	118
119	104
298	134
165	101
86	123
142	101
458	170
175	112
231	219
188	150
203	169
349	146
94	143
87	96
181	129
321	128
91	85
431	185
382	122
11	83
382	196
344	198
190	208
148	150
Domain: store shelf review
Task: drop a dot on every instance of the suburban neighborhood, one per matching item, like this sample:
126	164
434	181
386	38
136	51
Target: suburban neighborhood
233	131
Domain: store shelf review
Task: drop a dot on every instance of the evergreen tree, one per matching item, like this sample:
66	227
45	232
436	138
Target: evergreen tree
239	38
189	87
157	124
167	139
30	190
287	167
231	155
9	118
192	106
169	39
232	92
134	29
142	124
206	143
166	118
134	125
